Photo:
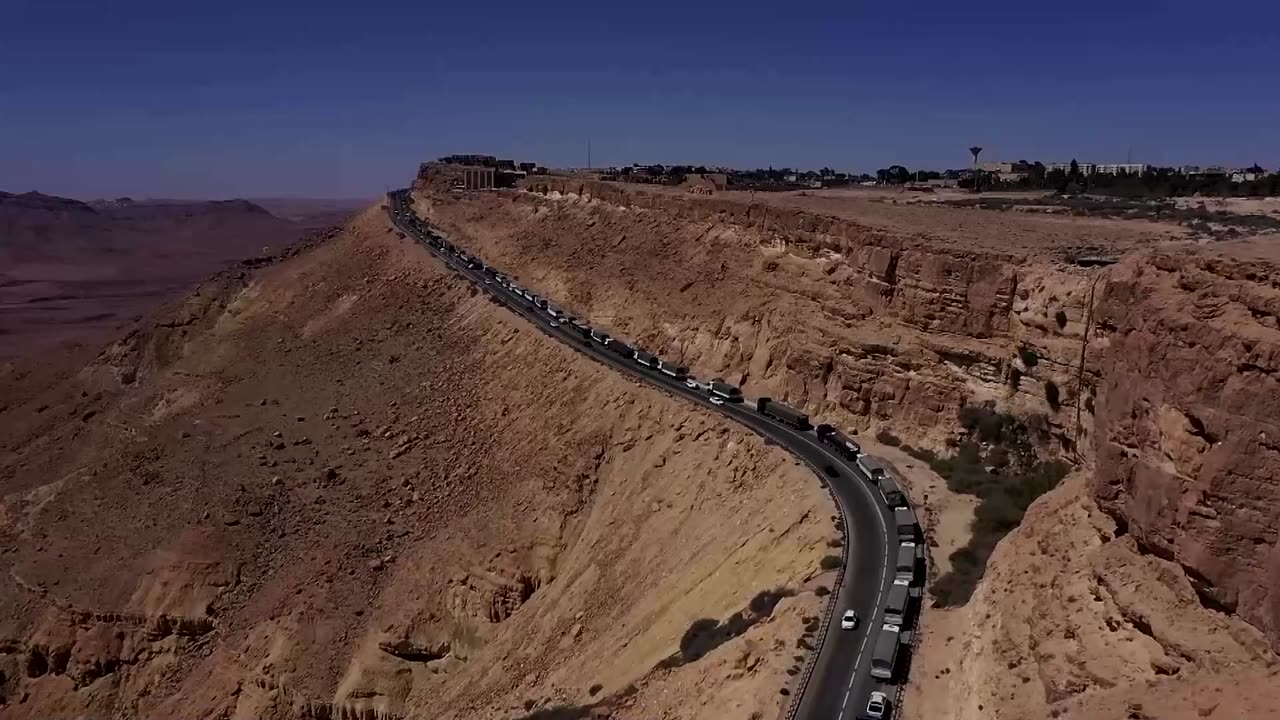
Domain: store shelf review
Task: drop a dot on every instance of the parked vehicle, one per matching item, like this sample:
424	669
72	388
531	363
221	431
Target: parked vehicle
679	372
906	565
725	390
898	603
646	359
885	653
838	441
783	414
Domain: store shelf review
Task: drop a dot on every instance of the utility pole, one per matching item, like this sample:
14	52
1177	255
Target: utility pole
975	150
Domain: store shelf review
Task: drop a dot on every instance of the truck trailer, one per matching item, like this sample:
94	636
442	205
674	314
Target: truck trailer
905	519
617	346
679	372
783	414
891	491
898	604
871	467
646	359
838	441
725	390
885	653
906	565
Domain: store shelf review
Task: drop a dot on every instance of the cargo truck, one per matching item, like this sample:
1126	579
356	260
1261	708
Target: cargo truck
621	348
906	566
678	372
891	491
870	467
600	337
783	414
896	607
885	653
838	441
646	359
905	519
725	390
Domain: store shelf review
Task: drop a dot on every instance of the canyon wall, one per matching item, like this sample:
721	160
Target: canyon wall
1160	366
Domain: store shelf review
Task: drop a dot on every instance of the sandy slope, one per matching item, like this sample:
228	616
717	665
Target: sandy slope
347	481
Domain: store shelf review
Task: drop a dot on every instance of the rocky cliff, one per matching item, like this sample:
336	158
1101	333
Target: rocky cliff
314	488
1188	451
1154	375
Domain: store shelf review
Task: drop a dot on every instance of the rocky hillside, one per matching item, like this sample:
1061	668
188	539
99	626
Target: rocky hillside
345	483
1153	375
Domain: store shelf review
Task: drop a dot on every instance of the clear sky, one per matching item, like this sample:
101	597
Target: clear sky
233	98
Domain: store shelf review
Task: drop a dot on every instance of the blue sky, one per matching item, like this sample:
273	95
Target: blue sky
220	99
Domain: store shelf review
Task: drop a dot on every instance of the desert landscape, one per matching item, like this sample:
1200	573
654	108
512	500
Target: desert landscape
1162	540
307	489
78	271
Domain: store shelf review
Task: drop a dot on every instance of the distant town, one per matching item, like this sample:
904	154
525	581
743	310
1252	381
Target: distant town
1124	179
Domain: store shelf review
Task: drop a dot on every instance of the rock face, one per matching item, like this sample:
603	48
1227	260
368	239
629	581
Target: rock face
1189	424
343	484
1156	373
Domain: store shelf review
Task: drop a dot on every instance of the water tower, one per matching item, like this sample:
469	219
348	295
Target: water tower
975	150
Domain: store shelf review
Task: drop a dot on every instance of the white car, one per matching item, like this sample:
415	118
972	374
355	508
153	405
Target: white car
849	621
877	704
716	400
555	324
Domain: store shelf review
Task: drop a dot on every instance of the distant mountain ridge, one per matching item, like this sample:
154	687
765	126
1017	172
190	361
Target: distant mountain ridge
68	265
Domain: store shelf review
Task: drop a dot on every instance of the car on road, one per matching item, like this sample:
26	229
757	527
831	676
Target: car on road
877	705
555	324
691	383
849	621
716	400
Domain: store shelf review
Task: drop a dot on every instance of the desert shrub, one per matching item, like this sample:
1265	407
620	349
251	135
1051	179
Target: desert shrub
829	562
821	591
1017	476
1052	394
1029	357
1015	378
595	689
888	438
1061	318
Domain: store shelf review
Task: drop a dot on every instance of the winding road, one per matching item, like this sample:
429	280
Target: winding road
840	681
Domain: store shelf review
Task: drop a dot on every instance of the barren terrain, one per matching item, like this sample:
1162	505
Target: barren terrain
1154	377
346	482
71	270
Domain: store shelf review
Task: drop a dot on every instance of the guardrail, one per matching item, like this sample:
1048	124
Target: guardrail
797	697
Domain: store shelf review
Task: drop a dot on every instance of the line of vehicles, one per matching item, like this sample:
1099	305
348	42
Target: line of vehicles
904	595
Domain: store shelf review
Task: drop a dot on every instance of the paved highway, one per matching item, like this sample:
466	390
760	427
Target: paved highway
841	680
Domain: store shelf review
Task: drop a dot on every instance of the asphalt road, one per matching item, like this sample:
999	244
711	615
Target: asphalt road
841	680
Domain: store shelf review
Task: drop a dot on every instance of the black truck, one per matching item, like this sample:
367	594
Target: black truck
783	414
617	346
838	441
725	390
646	359
678	372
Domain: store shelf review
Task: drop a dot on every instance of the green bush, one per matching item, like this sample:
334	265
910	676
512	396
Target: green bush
1017	476
1061	318
1029	357
829	562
